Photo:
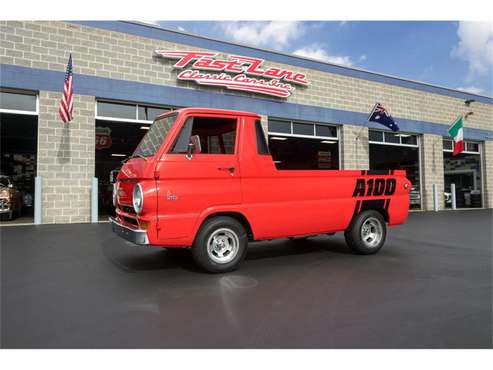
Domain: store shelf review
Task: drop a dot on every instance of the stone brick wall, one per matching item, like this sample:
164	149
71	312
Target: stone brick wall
66	159
122	56
354	148
432	170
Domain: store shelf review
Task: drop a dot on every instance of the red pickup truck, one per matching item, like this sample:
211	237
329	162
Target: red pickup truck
204	178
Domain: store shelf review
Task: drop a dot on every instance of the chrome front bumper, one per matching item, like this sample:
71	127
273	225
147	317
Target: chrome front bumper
136	236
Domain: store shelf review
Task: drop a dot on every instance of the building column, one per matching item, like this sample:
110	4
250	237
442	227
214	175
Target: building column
65	160
488	174
354	148
432	170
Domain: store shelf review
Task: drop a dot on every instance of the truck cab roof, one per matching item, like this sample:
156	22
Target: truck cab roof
198	110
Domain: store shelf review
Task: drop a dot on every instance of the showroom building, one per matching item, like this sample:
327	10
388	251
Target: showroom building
315	113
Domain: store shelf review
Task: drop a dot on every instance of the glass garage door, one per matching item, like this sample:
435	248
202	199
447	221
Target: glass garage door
463	170
298	145
119	128
18	155
397	151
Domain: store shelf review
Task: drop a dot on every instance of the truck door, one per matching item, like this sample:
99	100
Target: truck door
210	177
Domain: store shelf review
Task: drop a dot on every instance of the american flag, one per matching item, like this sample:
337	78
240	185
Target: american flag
67	101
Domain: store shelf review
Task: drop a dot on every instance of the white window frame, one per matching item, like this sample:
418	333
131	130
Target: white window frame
481	168
420	157
465	146
129	120
329	138
24	112
314	136
400	139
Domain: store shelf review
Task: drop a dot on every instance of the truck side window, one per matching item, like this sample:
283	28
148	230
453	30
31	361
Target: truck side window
181	143
262	147
217	135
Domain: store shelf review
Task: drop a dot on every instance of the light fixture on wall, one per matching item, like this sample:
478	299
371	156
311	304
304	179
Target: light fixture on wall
145	127
468	114
278	138
468	102
118	155
328	142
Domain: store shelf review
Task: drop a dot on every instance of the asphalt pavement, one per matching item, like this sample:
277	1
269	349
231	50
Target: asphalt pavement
78	286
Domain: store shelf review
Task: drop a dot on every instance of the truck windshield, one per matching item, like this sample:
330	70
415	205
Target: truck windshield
151	142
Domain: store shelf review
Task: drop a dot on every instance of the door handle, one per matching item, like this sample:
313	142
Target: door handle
231	169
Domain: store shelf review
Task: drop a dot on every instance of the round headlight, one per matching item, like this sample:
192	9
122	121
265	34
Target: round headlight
138	198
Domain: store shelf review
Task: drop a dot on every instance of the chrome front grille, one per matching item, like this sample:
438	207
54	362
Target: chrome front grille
127	209
4	205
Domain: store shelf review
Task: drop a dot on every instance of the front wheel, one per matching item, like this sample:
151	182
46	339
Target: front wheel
220	245
367	233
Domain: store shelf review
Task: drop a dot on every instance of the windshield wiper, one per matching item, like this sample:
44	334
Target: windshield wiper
134	156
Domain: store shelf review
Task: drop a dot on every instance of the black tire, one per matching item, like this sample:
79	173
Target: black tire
353	234
230	232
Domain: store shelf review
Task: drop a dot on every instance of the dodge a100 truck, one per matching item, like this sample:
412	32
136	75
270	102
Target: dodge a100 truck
204	179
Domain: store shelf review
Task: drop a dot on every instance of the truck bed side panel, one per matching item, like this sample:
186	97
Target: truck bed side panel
289	203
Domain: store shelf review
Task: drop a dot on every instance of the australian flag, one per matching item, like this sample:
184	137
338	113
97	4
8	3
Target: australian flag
380	115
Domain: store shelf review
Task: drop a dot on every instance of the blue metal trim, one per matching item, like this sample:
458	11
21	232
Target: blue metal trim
231	48
40	79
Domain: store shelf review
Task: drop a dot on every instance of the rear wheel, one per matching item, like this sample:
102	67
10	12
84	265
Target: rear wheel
367	233
220	245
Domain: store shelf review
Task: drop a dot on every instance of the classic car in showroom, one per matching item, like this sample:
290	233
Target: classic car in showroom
10	199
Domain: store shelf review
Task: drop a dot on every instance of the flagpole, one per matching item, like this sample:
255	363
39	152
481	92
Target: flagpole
458	118
372	111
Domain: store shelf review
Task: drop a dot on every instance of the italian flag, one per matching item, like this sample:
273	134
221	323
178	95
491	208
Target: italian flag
457	133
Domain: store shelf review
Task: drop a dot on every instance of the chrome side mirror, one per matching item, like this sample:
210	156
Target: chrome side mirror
194	146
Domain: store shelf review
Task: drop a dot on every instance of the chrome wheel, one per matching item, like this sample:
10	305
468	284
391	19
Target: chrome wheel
371	232
223	245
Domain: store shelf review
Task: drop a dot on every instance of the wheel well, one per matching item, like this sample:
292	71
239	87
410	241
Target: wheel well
238	217
384	213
